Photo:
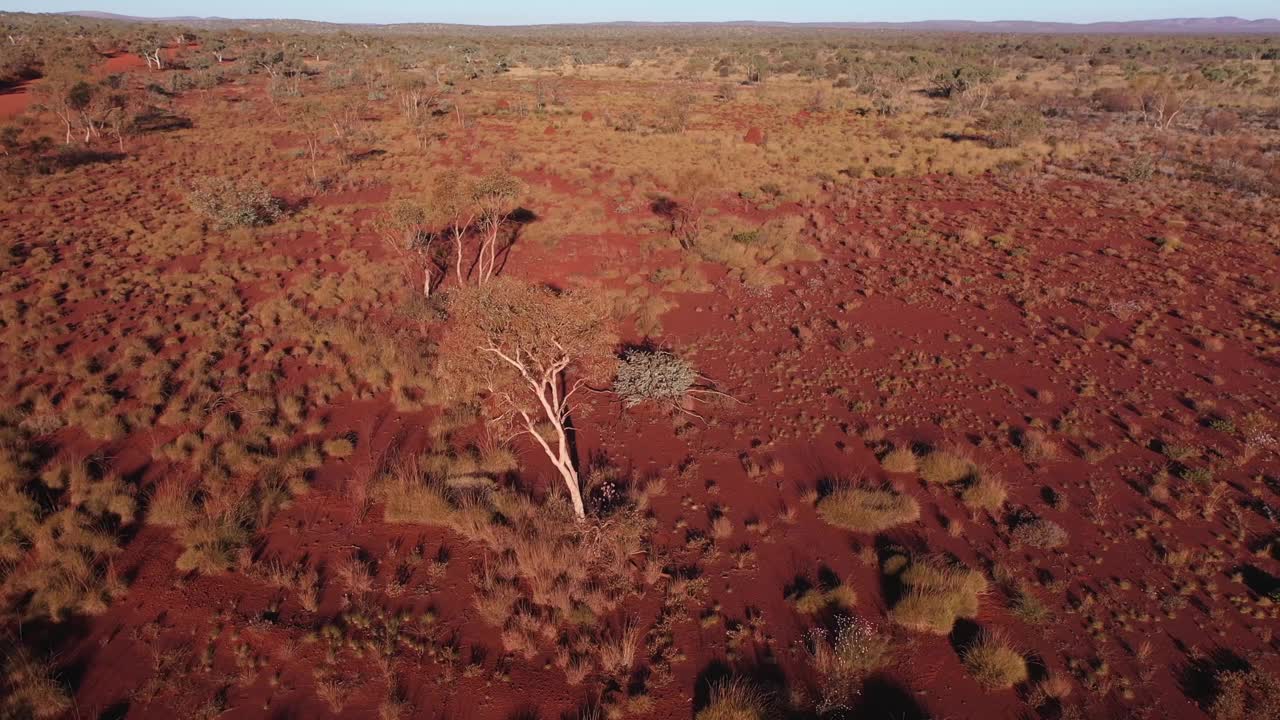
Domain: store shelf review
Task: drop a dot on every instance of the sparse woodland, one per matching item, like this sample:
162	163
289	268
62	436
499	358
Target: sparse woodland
728	373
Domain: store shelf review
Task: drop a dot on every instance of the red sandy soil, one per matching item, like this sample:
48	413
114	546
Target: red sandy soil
17	98
971	344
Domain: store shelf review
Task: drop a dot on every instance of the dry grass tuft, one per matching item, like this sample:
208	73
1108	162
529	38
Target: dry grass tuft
993	662
936	593
736	700
548	574
985	492
945	467
30	688
816	600
1246	695
899	460
868	510
60	529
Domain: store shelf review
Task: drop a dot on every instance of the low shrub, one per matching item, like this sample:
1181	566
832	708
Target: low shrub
1011	128
843	659
1041	533
229	203
653	376
1219	122
1115	99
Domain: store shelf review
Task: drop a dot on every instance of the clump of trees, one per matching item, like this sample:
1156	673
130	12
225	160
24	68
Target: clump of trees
88	110
470	216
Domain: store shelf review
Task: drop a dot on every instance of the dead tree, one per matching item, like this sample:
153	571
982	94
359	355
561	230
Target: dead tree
1162	104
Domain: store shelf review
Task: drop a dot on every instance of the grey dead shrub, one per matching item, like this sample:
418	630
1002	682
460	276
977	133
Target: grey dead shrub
653	376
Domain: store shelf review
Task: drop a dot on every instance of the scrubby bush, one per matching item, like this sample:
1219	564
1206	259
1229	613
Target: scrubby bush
1040	533
1246	695
959	80
844	658
1115	99
868	510
1219	122
229	203
1010	128
653	376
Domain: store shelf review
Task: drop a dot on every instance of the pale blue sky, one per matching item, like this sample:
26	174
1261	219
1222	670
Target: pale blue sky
509	12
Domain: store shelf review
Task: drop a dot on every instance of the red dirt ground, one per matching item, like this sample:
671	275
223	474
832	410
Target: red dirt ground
1079	324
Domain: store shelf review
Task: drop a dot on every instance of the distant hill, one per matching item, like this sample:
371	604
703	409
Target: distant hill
1170	26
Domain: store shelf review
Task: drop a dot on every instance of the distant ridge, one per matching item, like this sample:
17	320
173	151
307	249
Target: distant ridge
1169	26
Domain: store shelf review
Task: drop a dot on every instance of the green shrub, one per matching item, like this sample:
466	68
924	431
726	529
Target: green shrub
1012	128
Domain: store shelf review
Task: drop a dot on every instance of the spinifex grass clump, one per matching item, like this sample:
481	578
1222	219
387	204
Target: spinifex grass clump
935	593
868	510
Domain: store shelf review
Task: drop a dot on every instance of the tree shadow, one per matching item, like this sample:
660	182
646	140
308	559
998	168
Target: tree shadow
1260	581
115	711
518	219
157	120
768	678
884	698
71	158
1199	679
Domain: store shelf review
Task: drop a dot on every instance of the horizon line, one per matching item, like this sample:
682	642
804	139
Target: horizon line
742	21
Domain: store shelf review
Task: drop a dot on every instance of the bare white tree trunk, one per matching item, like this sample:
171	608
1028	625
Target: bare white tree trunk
555	410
